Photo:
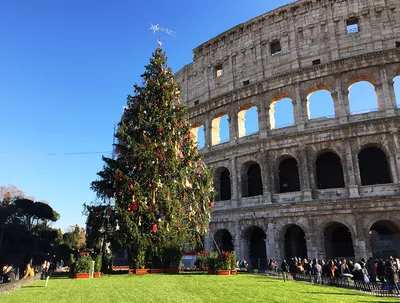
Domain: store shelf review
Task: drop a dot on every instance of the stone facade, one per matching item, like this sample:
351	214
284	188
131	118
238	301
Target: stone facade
294	51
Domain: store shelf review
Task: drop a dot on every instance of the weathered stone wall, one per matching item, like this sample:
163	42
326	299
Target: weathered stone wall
307	31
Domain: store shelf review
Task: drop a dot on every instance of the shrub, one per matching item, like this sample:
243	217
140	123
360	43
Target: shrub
224	260
233	261
98	259
72	263
212	260
83	264
201	259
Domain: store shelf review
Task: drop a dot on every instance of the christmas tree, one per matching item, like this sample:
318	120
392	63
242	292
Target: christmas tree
163	192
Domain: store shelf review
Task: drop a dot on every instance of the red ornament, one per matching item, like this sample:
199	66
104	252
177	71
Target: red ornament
154	227
211	204
134	207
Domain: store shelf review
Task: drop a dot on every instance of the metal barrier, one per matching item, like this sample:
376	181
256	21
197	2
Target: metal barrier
377	288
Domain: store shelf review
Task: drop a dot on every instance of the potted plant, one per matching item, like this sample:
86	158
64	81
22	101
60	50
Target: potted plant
98	259
233	264
140	262
173	259
72	266
211	262
83	266
201	259
224	263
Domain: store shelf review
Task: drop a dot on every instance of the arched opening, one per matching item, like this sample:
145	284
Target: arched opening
222	184
281	113
198	135
223	239
320	104
329	171
338	241
247	120
295	243
373	166
396	84
362	98
255	237
251	180
220	129
289	176
385	239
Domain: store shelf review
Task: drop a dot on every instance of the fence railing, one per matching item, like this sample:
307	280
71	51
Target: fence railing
374	288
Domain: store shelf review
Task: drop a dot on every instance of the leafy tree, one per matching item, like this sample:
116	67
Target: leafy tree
162	190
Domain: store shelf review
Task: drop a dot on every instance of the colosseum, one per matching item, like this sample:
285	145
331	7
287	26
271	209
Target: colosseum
322	187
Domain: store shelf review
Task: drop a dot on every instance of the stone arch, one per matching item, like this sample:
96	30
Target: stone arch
222	184
224	240
197	132
329	170
251	179
247	120
322	95
384	236
273	111
294	241
219	132
288	174
338	240
373	165
255	238
357	86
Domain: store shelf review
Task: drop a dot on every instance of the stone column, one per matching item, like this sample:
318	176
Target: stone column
208	242
396	145
304	174
299	109
233	124
237	240
236	192
265	176
208	132
351	175
360	239
336	105
264	123
386	96
342	105
270	243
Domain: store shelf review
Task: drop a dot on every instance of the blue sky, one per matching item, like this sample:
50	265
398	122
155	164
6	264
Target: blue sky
66	68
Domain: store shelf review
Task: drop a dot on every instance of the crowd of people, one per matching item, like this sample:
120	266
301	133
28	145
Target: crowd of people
9	273
385	271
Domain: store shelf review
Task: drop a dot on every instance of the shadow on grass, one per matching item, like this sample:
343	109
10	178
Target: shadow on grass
327	293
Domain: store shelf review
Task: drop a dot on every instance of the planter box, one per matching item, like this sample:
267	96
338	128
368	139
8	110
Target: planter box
84	275
223	272
234	272
97	274
141	271
173	271
157	271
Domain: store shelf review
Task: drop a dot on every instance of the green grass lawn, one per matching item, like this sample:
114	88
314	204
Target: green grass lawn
182	288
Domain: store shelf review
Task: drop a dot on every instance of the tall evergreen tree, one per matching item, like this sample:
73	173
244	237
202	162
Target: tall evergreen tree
163	192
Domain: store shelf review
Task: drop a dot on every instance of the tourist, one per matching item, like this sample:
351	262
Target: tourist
380	270
372	270
392	276
29	271
316	271
285	266
8	274
344	268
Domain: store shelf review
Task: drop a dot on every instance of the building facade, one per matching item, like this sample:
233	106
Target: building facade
323	187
